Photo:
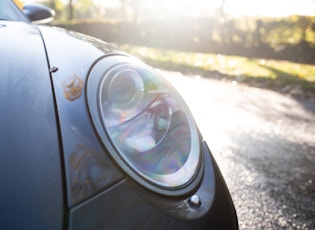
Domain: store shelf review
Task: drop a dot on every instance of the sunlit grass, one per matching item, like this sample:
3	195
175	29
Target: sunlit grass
270	73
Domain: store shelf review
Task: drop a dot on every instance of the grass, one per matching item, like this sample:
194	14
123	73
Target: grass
283	76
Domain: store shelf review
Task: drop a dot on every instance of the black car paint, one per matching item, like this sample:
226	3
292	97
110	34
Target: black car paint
153	212
98	194
87	165
30	166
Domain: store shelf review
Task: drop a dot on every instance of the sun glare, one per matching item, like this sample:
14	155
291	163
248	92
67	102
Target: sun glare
273	8
270	7
241	7
247	7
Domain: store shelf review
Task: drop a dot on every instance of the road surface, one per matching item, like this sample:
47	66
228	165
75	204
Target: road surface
264	144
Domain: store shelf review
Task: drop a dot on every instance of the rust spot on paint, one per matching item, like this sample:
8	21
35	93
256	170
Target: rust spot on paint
72	87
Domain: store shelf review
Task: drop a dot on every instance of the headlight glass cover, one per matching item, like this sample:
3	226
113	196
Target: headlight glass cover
148	125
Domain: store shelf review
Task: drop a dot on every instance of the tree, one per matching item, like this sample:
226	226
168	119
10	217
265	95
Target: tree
70	7
123	4
222	8
136	8
85	9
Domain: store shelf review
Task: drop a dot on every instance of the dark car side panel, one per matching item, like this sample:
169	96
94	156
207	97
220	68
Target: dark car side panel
127	206
31	195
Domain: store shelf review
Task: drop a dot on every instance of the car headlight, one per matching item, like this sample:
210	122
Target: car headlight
145	124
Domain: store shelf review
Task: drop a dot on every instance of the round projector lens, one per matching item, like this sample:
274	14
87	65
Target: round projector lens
125	89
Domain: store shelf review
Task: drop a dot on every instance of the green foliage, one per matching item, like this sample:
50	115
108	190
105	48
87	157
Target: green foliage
290	30
85	9
202	33
277	53
80	8
274	74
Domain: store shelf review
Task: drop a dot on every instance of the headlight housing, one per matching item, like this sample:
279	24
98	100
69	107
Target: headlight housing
145	125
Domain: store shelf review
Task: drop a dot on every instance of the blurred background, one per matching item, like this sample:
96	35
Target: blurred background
254	30
198	25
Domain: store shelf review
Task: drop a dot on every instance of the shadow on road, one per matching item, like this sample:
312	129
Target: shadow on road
281	180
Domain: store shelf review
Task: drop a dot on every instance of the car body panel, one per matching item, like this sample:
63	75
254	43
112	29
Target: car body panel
149	211
30	164
89	168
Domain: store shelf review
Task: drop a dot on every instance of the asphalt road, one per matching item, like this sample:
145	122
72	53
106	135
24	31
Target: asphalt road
264	144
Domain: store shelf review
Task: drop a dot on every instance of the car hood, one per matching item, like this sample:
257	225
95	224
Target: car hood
28	131
20	44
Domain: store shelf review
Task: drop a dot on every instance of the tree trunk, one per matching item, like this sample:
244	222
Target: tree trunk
222	8
70	10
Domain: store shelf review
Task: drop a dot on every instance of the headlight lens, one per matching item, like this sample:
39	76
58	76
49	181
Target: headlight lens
148	126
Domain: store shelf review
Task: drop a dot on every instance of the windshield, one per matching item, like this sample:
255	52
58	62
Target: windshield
9	11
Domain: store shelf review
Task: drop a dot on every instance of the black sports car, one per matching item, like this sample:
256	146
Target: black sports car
92	138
